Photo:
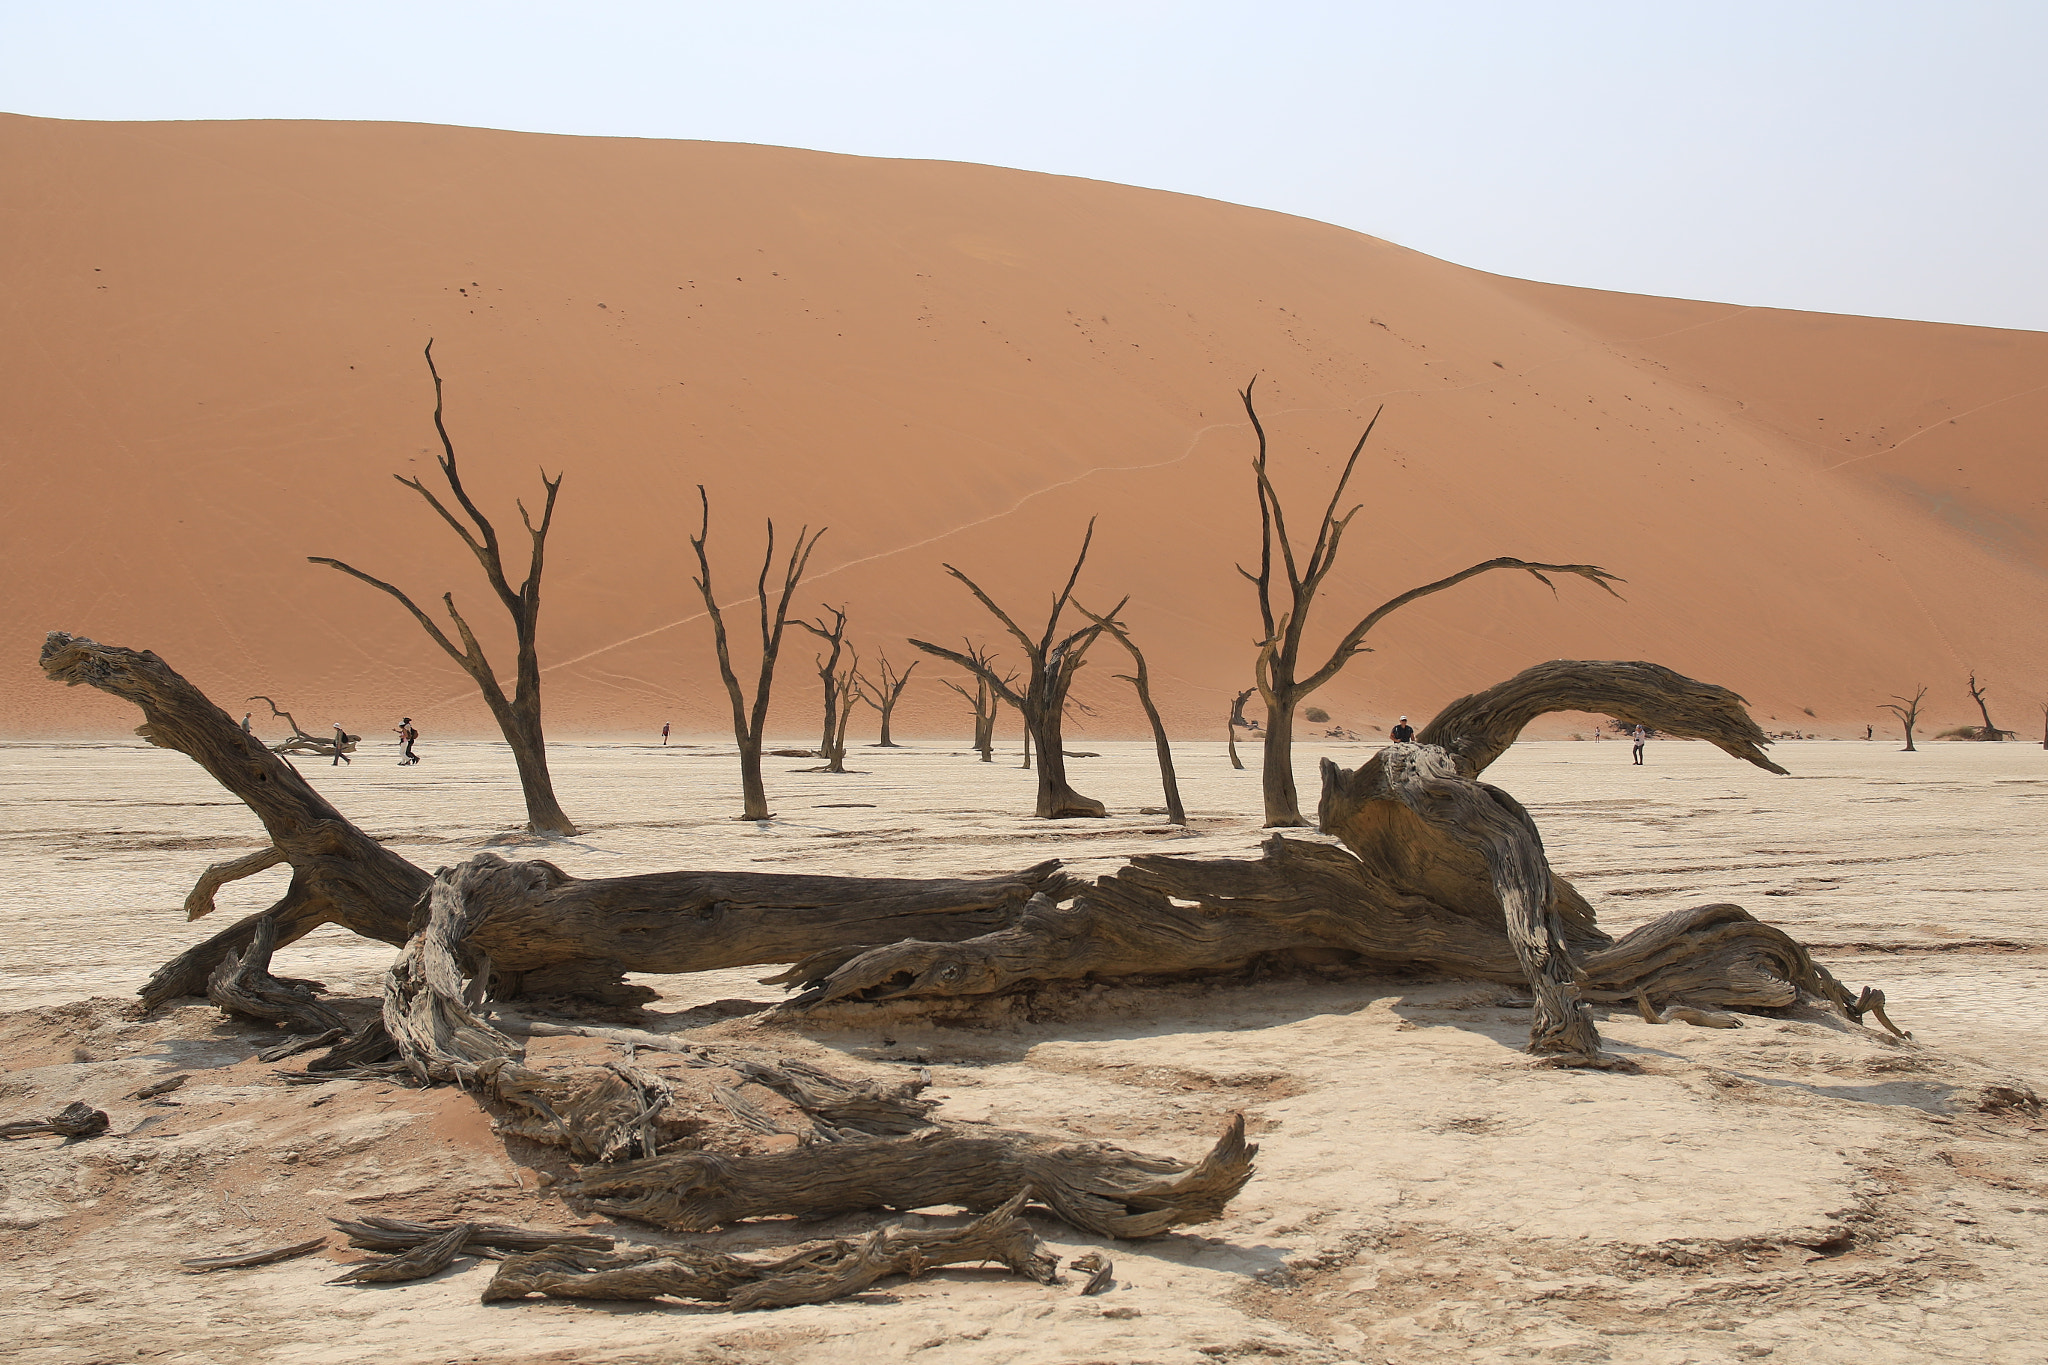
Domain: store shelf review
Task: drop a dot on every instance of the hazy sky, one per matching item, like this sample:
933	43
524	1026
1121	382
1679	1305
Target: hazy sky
1868	157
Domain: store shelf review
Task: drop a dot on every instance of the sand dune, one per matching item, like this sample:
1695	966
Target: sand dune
213	366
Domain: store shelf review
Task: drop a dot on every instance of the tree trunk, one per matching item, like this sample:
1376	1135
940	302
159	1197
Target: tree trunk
1056	800
544	814
1276	778
1439	873
753	792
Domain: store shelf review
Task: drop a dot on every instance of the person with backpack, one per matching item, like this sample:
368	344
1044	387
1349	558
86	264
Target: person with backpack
406	736
342	740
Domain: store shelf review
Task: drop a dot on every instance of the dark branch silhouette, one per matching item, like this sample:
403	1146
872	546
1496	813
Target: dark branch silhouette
747	725
1284	608
519	717
1054	659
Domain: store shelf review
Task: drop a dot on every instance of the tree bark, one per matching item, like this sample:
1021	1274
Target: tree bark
1439	872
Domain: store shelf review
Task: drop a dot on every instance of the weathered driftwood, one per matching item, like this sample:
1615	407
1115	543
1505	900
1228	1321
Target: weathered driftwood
1443	873
812	1274
1100	1270
569	936
242	985
858	1145
375	1232
1093	1186
75	1120
199	1265
427	1258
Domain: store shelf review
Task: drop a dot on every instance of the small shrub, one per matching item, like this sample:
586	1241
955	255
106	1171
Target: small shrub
1316	715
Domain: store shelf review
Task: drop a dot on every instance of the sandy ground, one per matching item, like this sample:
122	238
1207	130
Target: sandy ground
1791	1190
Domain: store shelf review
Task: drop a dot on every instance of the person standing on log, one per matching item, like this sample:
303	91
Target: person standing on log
1403	733
247	729
1641	737
340	743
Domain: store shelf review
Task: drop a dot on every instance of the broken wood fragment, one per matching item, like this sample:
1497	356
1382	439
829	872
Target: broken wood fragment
162	1087
812	1274
427	1258
199	1265
1099	1269
241	984
376	1232
1093	1186
75	1120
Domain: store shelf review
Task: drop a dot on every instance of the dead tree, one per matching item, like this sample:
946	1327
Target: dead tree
1989	731
1907	709
519	717
1236	722
748	725
1438	874
846	689
302	742
2044	724
1283	614
1141	683
829	678
883	696
984	698
1054	659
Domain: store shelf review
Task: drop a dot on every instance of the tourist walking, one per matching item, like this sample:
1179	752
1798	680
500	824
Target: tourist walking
406	736
340	742
664	734
246	728
1641	737
1403	733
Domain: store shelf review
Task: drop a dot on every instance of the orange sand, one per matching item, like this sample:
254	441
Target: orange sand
213	367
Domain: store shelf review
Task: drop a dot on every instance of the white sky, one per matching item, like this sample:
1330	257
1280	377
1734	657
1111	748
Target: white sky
1878	157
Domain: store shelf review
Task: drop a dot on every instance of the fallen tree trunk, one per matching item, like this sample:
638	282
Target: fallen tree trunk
812	1274
1443	872
565	935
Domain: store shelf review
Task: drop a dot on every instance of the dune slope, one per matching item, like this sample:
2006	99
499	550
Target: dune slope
213	361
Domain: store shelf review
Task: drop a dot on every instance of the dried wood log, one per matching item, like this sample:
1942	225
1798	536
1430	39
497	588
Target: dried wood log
813	1274
162	1087
568	935
199	1265
242	985
1093	1186
1437	868
375	1232
427	1258
427	1008
1100	1270
75	1120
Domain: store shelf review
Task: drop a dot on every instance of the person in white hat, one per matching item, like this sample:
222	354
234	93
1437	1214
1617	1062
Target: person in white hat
1404	733
340	739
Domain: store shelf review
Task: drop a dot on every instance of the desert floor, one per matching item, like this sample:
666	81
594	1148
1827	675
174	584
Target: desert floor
1795	1190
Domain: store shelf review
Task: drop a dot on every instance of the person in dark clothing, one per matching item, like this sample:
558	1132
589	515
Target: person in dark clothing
1641	737
1403	733
406	736
340	741
664	734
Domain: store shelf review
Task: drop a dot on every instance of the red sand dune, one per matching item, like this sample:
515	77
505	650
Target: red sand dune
213	368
